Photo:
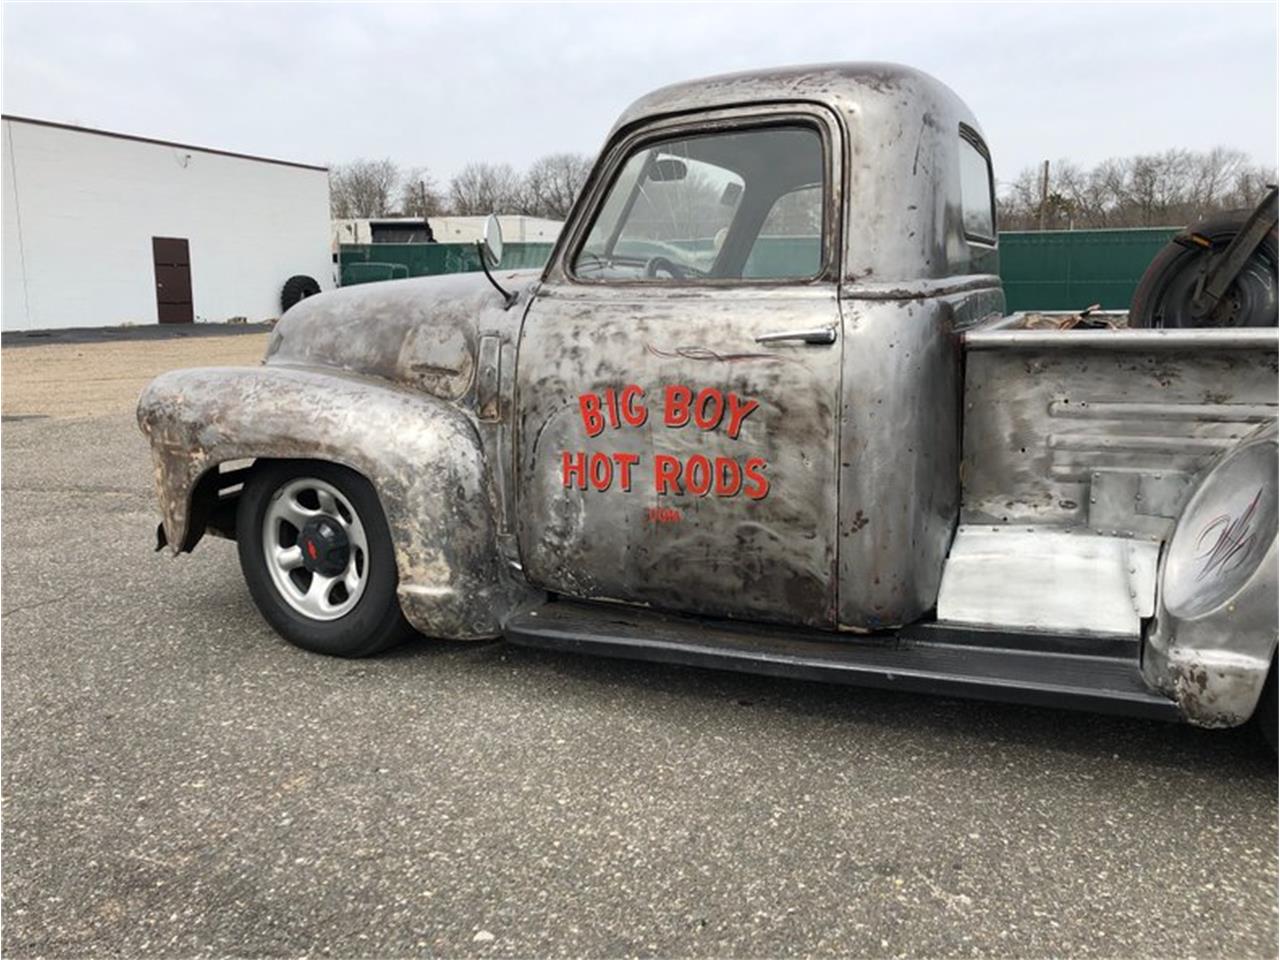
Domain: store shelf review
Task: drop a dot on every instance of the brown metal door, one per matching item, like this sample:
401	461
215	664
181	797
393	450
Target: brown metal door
172	259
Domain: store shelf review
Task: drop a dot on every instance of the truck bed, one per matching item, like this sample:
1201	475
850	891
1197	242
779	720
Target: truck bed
1093	433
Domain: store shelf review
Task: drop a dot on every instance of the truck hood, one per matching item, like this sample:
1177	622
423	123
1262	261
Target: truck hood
421	333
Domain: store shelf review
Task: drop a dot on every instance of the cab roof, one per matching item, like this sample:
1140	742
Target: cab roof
904	133
844	87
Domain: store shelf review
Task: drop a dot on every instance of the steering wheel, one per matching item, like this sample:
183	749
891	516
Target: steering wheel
654	264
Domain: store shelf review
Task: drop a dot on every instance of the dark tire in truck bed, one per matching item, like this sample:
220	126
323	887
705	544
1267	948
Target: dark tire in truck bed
1163	296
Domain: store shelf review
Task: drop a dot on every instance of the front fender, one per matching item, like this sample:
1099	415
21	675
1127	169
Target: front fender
422	456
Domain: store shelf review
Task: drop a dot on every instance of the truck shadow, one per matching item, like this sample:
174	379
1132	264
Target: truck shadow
941	723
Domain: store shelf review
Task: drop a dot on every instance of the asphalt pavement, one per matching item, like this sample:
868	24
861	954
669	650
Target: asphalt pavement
179	782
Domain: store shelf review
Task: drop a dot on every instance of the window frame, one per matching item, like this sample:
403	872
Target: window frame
715	122
974	139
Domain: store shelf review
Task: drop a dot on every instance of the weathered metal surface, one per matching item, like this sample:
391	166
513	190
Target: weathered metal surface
1048	579
761	545
899	458
898	431
423	457
450	337
900	444
1052	417
421	333
1214	638
1142	341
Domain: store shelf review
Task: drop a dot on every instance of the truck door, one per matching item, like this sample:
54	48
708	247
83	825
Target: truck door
678	381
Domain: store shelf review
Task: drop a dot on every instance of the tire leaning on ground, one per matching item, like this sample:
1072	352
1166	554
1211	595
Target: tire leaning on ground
295	289
317	556
1163	295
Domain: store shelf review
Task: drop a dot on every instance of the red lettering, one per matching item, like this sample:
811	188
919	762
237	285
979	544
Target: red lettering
739	410
575	467
697	475
728	477
611	405
713	398
666	473
754	470
678	398
625	462
634	411
601	471
592	419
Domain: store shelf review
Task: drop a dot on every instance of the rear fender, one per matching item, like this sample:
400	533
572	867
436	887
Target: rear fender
422	456
1214	638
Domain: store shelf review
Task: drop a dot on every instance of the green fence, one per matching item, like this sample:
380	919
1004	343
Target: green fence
1072	269
367	262
1054	270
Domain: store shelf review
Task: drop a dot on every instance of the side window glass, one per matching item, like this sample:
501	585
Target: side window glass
790	241
715	206
975	189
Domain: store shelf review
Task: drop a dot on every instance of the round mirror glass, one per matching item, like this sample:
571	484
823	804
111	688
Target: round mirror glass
493	240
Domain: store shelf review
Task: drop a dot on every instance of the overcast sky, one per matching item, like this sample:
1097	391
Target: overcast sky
444	84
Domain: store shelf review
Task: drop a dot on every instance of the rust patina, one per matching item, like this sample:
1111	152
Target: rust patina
797	451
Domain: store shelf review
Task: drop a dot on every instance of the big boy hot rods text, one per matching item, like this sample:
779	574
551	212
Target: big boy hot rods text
682	409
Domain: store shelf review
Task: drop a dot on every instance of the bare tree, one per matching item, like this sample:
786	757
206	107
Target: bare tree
1248	186
553	183
482	188
362	188
419	195
1172	188
1213	173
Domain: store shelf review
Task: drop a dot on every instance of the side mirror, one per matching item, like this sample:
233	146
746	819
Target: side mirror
490	250
491	245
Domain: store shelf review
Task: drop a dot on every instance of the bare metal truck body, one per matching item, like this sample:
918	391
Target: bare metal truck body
763	410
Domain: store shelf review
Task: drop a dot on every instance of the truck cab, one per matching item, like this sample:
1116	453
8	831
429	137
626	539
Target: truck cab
762	410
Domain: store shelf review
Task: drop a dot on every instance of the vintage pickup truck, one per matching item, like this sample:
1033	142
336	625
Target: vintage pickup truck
762	410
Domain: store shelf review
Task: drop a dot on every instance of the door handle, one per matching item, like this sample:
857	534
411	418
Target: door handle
816	335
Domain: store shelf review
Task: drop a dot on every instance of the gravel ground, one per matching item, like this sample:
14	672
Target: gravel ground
79	378
179	782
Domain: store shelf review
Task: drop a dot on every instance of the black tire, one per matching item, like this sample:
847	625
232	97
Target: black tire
295	289
1266	716
1163	296
375	621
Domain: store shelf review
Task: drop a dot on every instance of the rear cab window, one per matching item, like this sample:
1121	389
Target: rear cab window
977	194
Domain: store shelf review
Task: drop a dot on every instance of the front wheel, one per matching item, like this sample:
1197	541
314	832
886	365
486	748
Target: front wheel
317	556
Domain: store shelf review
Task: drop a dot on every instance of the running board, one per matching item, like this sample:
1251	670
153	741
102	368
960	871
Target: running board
1028	669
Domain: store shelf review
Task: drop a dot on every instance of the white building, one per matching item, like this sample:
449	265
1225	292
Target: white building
516	228
102	229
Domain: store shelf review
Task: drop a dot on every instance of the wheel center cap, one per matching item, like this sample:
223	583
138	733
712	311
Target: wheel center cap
325	547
